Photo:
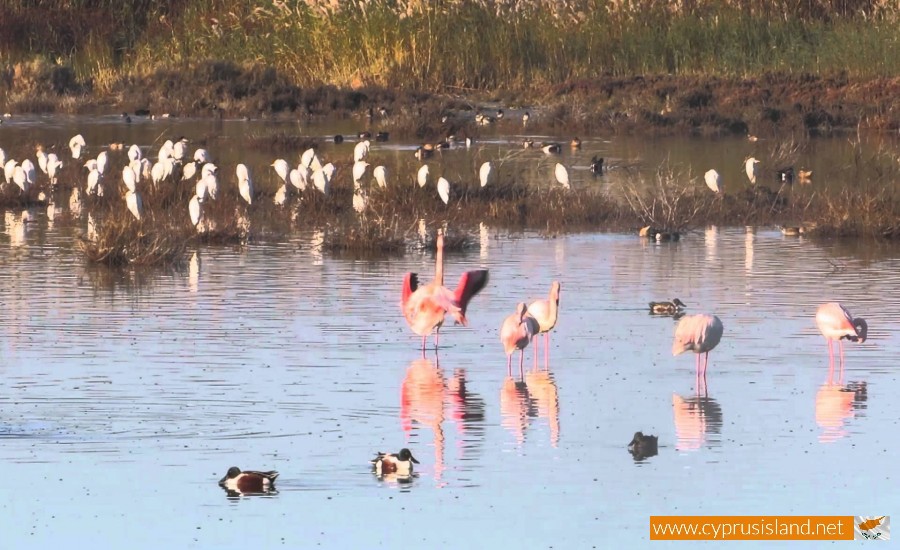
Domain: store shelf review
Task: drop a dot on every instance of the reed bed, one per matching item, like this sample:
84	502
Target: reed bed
707	65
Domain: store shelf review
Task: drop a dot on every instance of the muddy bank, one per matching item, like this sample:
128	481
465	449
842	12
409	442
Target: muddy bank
772	104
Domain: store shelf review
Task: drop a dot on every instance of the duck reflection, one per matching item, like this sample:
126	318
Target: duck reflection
835	405
698	421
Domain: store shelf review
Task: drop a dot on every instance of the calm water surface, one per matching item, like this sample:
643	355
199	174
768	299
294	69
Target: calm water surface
126	397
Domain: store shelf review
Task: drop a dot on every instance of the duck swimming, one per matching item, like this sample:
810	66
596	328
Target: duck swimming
667	308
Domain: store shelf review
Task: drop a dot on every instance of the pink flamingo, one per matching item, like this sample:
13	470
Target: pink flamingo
516	331
424	307
700	334
546	312
836	323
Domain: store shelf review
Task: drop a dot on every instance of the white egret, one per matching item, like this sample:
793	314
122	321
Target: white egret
307	157
281	195
8	169
188	171
212	185
297	179
135	166
380	173
321	181
53	166
359	201
361	151
443	188
201	156
178	149
145	169
484	173
93	183
422	175
165	151
2	157
30	173
102	161
42	159
208	169
19	178
91	164
713	181
245	184
135	204
304	176
562	175
282	169
750	168
134	152
201	190
329	170
195	210
359	170
75	146
130	180
158	172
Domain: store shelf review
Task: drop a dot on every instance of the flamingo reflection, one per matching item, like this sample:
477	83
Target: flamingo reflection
515	407
836	404
543	391
423	395
696	419
422	402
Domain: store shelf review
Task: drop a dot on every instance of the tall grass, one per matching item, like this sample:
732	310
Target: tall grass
459	44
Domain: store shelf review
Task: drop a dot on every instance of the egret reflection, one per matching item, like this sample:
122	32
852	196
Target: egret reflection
837	404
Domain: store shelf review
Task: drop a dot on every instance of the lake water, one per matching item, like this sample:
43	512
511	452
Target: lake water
127	395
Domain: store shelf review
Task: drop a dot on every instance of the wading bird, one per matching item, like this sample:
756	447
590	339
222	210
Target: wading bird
546	313
245	184
562	175
76	144
380	173
698	333
516	332
484	173
422	175
837	324
443	189
424	306
750	168
714	181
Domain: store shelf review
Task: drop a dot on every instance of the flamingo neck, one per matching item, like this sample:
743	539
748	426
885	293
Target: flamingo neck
439	261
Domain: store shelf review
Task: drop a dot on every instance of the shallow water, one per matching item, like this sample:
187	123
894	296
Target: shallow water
124	404
126	396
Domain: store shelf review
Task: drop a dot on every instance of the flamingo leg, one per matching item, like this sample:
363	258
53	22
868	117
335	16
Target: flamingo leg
535	341
841	378
437	338
424	341
509	365
521	365
547	351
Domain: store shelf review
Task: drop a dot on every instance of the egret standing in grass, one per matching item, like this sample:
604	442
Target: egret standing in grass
422	175
75	146
245	184
380	173
129	179
359	170
750	168
102	162
443	189
29	170
281	168
361	151
484	173
714	181
135	204
562	176
195	210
